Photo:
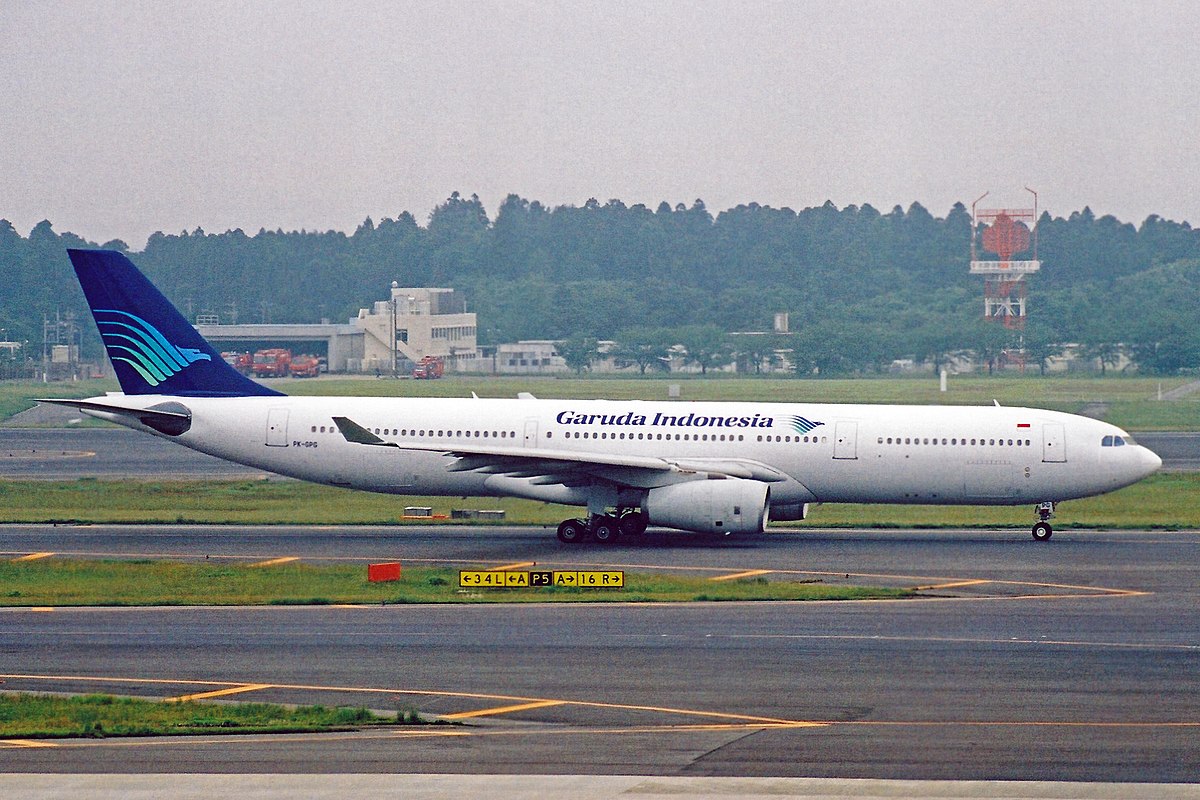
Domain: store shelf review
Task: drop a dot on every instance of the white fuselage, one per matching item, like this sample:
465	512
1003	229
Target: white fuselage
826	453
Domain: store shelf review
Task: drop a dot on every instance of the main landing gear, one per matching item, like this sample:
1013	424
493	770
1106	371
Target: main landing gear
1042	530
604	528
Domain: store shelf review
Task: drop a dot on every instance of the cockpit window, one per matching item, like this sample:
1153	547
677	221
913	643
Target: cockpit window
1116	441
1106	441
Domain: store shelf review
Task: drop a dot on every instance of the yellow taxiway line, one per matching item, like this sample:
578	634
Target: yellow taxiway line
518	565
274	561
952	585
32	557
249	687
750	573
487	712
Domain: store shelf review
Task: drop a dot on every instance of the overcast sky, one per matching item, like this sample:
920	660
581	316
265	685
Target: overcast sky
123	118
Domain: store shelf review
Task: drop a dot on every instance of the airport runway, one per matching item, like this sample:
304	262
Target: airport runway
69	453
1076	659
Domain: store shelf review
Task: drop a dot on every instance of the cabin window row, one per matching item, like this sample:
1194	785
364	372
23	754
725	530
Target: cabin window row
685	437
420	432
917	440
807	439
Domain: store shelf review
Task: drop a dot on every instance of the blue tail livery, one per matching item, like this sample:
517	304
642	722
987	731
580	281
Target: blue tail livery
153	349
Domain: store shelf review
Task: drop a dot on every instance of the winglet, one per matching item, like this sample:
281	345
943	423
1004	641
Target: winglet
357	434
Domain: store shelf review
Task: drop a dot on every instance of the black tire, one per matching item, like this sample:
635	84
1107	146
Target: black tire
571	531
605	531
633	524
1042	531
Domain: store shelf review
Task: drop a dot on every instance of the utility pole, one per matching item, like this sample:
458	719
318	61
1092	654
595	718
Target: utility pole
394	287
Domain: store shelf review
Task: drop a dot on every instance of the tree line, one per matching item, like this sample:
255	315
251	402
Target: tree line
862	287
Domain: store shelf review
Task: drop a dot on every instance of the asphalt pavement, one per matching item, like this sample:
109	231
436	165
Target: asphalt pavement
1071	660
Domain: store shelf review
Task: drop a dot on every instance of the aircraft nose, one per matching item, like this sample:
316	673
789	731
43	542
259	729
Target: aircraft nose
1150	461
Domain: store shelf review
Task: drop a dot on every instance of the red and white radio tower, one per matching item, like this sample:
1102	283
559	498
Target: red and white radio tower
1005	232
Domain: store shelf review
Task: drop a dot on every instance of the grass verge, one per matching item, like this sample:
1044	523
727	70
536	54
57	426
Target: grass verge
37	716
51	582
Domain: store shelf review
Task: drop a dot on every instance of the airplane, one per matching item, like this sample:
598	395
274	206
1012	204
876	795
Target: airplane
717	468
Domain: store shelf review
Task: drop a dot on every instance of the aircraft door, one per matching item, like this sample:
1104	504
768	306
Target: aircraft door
1054	446
845	440
277	419
531	430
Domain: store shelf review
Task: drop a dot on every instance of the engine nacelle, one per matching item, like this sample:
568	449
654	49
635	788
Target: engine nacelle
792	512
732	505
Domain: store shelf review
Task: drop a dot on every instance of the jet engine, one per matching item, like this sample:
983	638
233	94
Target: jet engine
731	505
791	512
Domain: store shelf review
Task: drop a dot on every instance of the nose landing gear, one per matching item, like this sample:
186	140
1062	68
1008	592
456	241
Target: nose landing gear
1042	530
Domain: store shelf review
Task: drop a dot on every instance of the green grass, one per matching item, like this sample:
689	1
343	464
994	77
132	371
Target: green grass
70	582
18	396
34	716
1130	400
1166	500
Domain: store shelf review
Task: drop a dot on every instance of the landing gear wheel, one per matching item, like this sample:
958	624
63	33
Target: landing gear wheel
633	524
1042	531
605	530
571	531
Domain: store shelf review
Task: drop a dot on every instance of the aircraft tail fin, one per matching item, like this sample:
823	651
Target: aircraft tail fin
153	349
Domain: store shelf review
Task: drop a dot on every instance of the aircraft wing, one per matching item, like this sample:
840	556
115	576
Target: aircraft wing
571	468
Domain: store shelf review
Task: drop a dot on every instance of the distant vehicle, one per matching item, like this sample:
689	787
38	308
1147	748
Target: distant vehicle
305	366
713	468
275	362
242	362
428	368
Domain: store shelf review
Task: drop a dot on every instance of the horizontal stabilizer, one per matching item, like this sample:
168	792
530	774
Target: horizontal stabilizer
170	418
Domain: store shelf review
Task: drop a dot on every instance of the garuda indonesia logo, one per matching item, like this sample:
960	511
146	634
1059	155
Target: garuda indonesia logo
145	348
803	425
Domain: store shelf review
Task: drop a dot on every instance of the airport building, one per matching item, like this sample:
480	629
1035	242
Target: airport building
415	323
387	338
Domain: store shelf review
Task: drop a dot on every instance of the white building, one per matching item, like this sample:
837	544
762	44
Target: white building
533	357
414	323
